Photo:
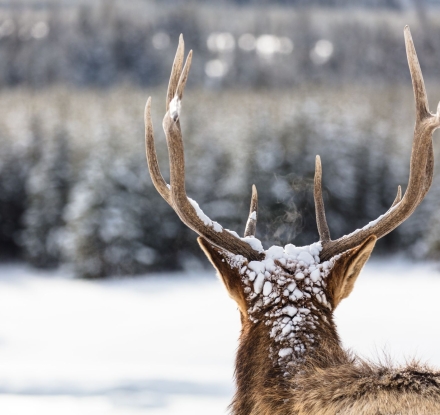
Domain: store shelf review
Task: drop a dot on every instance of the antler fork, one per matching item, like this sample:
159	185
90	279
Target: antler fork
175	194
420	176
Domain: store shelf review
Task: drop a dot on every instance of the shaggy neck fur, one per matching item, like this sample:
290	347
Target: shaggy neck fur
264	380
286	291
289	360
289	319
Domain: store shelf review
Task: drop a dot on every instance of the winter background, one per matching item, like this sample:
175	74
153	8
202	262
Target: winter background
107	305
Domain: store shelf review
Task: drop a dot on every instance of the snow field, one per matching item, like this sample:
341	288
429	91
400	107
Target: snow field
165	344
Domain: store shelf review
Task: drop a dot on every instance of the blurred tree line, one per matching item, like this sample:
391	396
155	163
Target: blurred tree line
74	184
109	42
269	89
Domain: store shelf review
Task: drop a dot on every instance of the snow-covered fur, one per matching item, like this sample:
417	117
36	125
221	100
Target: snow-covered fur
290	360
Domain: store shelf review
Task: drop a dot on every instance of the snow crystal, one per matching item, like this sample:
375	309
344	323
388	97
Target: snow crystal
236	261
290	310
267	288
306	257
233	233
208	222
315	275
258	284
175	106
275	252
287	328
254	243
285	352
216	226
257	266
291	286
370	224
284	290
315	249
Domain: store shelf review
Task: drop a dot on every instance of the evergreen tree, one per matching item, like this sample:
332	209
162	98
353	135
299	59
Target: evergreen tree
12	201
47	189
114	223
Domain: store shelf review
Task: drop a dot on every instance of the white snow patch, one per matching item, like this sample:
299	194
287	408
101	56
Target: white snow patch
370	224
258	284
233	233
275	252
216	226
114	347
175	107
236	261
205	219
291	286
257	266
290	310
254	243
98	348
267	288
315	275
253	215
306	257
298	294
285	352
281	287
292	251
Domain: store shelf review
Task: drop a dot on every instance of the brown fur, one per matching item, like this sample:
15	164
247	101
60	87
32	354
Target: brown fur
331	381
346	270
353	387
230	277
290	361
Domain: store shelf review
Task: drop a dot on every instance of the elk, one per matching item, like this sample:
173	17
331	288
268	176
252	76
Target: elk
290	359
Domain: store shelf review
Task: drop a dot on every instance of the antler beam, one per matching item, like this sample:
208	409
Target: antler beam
175	193
321	221
420	176
251	225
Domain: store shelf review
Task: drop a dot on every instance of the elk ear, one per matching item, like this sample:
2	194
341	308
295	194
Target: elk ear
230	276
347	268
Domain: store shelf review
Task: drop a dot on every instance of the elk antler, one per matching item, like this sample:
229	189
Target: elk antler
251	225
420	176
175	194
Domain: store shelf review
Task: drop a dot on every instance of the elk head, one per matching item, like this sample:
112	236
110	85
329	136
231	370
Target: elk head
286	296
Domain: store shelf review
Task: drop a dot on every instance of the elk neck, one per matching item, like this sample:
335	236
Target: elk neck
289	320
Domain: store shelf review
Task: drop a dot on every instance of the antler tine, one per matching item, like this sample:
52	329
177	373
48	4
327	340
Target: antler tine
321	221
175	71
251	225
174	107
421	167
422	154
153	165
422	113
421	99
184	76
187	209
398	196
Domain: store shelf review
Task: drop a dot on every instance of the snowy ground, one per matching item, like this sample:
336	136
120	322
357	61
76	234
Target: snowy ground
165	344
